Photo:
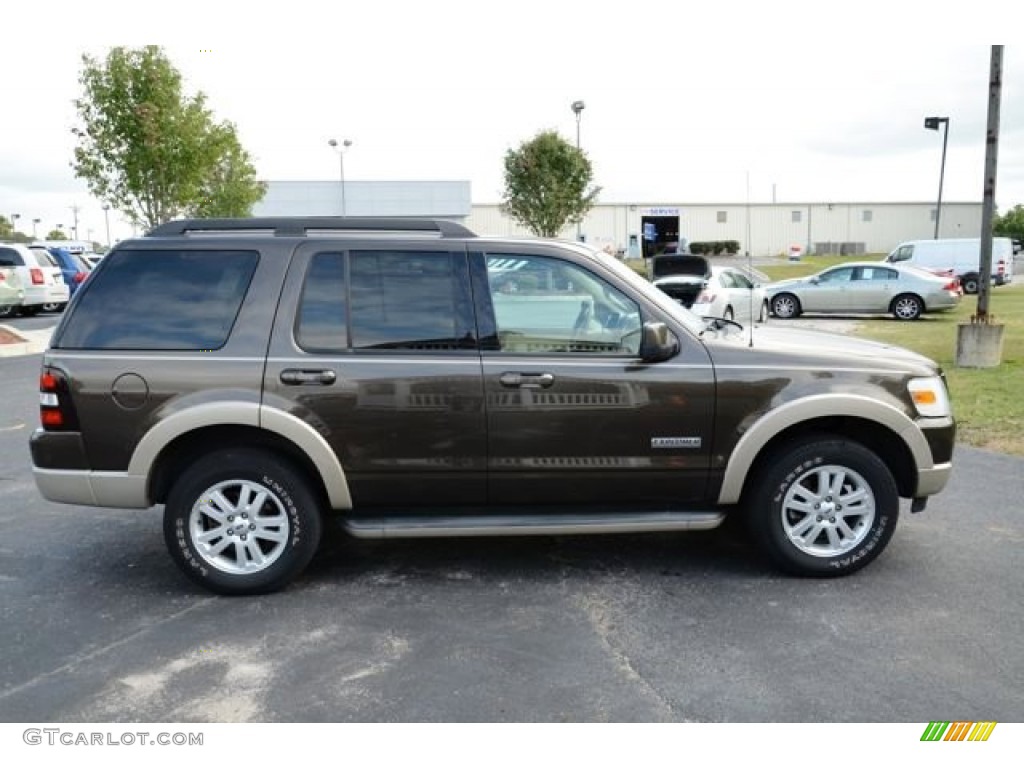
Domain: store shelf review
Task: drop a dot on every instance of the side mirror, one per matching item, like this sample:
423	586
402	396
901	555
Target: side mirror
814	281
658	343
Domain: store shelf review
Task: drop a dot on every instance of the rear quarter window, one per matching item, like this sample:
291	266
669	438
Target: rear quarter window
160	300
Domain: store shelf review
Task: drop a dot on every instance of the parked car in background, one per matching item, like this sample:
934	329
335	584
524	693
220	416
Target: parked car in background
11	291
681	276
730	294
92	259
958	256
40	277
74	269
865	288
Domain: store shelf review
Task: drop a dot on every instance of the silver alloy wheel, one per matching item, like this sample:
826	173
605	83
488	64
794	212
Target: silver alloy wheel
784	306
239	527
907	308
828	511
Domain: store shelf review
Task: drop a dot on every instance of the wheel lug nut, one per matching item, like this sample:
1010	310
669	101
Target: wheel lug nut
231	518
244	537
245	516
231	532
817	506
819	518
252	526
831	519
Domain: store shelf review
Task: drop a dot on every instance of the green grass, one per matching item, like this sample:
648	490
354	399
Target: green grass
785	270
988	403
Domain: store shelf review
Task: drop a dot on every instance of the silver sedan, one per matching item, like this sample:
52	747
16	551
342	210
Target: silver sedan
865	288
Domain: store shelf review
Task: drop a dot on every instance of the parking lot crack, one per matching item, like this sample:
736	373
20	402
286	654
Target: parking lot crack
97	652
597	614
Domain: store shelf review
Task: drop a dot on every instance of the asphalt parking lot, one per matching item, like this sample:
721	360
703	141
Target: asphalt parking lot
97	624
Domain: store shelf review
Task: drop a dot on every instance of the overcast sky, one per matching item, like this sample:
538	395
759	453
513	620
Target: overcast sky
816	101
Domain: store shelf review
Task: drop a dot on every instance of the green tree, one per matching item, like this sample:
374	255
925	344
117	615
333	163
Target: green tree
150	151
1011	223
56	234
6	230
547	184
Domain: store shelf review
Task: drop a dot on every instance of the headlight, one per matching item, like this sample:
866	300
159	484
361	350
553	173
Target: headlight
929	396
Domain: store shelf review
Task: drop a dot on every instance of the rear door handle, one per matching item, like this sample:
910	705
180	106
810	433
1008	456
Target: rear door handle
297	376
514	379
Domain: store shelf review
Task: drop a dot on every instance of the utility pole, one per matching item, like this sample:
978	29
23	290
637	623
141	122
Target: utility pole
979	344
988	209
74	228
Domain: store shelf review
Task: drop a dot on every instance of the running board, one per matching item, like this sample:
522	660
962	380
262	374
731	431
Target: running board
424	527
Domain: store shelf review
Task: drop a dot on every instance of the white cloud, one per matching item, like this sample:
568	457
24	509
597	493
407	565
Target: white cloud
681	104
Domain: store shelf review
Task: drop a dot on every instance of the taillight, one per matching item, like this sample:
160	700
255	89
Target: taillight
37	276
80	277
1001	267
953	285
56	411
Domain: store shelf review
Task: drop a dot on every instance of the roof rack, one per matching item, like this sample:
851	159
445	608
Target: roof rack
284	226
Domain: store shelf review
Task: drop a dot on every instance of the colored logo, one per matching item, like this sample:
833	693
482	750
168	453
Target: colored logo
958	731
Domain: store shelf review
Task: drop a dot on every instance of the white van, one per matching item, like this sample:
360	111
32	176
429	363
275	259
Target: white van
960	257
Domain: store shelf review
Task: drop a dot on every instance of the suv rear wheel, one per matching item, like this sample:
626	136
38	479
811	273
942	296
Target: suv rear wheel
824	508
242	521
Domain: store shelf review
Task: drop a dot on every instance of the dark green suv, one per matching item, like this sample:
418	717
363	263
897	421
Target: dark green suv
260	376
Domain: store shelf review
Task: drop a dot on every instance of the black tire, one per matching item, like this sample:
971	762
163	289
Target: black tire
798	540
8	310
970	283
786	306
32	311
284	528
907	306
52	307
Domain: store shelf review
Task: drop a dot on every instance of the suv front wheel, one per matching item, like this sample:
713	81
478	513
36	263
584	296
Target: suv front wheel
242	521
827	507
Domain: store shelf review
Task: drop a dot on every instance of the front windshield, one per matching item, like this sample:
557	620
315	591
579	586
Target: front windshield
664	302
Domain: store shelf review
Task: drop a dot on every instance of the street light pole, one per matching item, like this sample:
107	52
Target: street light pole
106	219
577	108
345	144
14	222
932	124
34	223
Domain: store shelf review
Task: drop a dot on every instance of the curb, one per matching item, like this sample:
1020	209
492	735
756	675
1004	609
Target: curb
34	342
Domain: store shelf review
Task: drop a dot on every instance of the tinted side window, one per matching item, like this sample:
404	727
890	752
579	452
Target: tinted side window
403	300
321	325
544	305
186	300
9	258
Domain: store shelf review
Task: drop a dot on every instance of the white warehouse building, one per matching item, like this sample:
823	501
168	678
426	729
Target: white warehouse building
768	229
774	228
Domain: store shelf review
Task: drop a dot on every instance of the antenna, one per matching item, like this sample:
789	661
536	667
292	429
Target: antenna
750	267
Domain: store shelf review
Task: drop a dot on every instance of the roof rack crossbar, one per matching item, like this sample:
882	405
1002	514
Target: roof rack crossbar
286	226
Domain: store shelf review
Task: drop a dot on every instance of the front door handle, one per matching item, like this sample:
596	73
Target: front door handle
514	379
297	376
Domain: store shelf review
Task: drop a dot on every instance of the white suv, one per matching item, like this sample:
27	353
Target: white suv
40	277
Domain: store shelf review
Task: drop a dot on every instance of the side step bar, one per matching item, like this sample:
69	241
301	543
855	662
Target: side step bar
425	527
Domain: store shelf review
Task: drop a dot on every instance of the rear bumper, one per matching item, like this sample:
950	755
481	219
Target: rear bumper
92	489
61	472
46	294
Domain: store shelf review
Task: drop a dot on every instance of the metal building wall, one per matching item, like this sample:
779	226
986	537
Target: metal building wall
876	227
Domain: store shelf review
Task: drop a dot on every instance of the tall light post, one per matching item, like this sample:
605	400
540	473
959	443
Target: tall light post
340	149
577	108
14	222
35	223
932	124
106	219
